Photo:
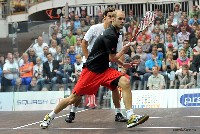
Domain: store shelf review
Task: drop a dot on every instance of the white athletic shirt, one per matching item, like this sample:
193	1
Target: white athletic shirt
9	66
94	32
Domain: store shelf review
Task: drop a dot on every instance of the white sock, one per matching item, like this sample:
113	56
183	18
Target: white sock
129	113
117	110
52	115
73	109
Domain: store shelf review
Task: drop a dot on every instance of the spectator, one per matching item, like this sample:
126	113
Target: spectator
170	43
185	24
10	73
169	66
65	72
71	28
78	66
196	49
146	46
183	35
72	15
53	46
169	25
156	33
194	41
19	87
87	20
169	31
92	22
195	67
72	54
155	49
194	20
54	36
44	55
50	68
26	71
154	61
160	45
195	27
182	60
38	47
177	12
156	81
58	56
64	46
78	48
130	18
195	10
83	26
38	73
83	13
137	71
159	15
99	17
18	60
188	49
77	23
140	36
139	52
70	38
79	33
32	57
33	85
157	24
186	78
2	61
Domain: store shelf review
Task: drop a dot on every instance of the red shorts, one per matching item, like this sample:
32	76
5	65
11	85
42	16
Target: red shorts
89	81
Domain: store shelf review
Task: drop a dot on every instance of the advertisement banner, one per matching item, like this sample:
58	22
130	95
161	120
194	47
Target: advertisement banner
6	101
41	100
188	98
147	99
172	98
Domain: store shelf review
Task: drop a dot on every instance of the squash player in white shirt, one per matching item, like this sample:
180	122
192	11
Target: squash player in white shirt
87	44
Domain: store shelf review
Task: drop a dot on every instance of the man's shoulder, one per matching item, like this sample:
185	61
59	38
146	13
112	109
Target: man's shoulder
35	45
160	76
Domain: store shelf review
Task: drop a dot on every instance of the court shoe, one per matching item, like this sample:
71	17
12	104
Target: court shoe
136	120
70	117
120	118
46	122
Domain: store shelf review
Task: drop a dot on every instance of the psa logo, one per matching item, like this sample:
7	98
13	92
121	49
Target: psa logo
190	99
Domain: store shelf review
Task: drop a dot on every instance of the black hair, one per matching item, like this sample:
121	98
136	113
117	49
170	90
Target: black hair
109	9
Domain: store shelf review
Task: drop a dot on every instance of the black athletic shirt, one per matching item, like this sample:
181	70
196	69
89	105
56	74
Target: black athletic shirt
105	44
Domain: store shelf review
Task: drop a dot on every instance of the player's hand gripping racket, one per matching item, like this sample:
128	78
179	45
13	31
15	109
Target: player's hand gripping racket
146	21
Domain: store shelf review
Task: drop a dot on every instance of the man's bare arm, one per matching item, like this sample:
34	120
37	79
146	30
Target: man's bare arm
84	48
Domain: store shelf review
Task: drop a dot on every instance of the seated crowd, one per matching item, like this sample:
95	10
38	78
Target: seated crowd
167	54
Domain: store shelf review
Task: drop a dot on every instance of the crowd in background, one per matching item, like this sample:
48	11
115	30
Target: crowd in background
167	54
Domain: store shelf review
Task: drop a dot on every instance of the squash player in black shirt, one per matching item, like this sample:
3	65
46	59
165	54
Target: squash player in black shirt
97	72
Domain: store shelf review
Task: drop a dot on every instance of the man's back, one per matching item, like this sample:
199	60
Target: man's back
98	59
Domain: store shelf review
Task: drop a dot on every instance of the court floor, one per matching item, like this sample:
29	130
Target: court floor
101	121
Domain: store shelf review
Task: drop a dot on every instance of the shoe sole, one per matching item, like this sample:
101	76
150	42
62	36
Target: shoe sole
43	127
146	117
125	120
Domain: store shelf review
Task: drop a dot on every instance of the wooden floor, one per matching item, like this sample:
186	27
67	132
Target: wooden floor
101	121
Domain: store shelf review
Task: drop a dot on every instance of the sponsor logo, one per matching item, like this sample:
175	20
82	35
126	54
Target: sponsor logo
190	99
146	101
38	102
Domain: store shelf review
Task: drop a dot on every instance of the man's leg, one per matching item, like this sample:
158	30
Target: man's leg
116	100
133	119
71	116
62	104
